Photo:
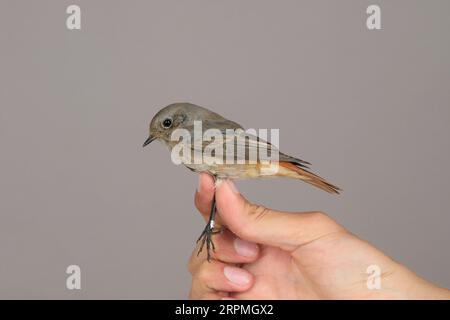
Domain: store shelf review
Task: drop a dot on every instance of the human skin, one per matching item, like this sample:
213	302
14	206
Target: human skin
268	254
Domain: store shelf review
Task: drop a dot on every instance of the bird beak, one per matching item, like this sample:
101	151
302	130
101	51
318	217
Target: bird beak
149	139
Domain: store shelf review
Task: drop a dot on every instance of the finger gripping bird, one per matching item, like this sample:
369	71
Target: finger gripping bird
186	115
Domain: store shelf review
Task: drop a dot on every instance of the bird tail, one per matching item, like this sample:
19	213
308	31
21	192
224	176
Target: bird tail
294	171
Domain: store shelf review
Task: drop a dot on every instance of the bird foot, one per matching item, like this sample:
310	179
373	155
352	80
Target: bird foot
206	238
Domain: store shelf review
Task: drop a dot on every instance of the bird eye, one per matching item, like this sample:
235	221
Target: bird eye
167	123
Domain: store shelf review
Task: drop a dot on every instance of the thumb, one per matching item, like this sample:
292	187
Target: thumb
258	224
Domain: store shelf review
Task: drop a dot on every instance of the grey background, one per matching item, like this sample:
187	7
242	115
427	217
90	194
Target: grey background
369	109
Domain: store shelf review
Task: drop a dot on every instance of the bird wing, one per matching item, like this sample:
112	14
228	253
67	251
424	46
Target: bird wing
243	148
242	145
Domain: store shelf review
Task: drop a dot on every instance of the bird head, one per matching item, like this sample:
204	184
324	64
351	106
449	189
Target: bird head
164	122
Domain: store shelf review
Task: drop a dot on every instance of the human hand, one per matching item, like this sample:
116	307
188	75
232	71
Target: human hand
267	254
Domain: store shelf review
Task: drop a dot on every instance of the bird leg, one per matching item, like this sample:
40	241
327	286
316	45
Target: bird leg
206	236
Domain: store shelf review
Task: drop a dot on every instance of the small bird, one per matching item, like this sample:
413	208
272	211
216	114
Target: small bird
184	116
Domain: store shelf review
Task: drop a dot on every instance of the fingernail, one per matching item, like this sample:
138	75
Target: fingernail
232	186
245	248
217	183
236	275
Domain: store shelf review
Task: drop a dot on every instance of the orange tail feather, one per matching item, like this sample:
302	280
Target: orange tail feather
309	177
